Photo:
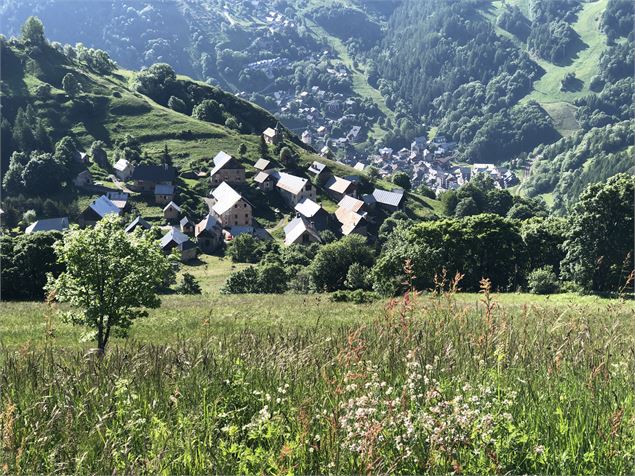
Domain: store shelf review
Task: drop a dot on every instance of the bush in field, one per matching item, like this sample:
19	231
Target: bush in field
543	281
244	249
188	285
111	277
330	267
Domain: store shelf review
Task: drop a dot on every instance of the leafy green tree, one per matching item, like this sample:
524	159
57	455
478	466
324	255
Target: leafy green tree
543	281
466	207
208	110
543	238
244	281
401	179
242	149
33	32
23	137
111	277
42	175
12	181
98	153
357	277
599	243
177	104
272	278
244	249
286	157
26	261
332	262
263	148
70	85
188	285
157	82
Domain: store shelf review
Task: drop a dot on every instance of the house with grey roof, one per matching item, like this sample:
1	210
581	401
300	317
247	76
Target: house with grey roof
320	172
227	169
48	224
315	213
300	231
264	164
293	188
138	222
171	212
230	208
390	201
175	239
187	226
338	187
146	177
123	169
163	193
266	180
98	209
209	233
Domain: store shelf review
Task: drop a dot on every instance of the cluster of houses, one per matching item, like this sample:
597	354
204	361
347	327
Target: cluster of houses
230	213
430	163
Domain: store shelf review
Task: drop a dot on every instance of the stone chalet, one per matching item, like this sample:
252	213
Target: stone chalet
226	169
293	188
230	208
97	210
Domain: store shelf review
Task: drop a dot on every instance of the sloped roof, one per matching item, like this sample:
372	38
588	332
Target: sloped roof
226	197
269	132
185	220
172	205
349	220
359	166
223	160
262	177
154	173
338	184
307	207
174	235
139	221
122	164
384	197
296	228
48	224
102	206
291	183
317	167
350	203
209	223
263	164
163	189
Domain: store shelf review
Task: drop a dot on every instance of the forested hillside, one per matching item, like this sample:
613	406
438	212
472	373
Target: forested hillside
504	79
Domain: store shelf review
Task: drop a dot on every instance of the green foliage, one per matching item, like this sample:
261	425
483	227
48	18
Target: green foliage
33	32
208	111
357	296
188	285
358	277
402	180
543	281
482	246
156	82
244	249
70	85
177	104
599	244
26	261
332	262
111	277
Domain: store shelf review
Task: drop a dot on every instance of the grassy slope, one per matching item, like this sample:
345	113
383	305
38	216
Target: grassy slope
546	91
128	112
213	313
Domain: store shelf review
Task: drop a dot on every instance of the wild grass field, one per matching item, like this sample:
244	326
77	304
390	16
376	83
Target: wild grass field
297	384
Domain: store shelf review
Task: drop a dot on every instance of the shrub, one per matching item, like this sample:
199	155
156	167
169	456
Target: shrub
188	285
244	249
543	281
359	296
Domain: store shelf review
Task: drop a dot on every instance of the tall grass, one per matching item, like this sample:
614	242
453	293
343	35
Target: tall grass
431	386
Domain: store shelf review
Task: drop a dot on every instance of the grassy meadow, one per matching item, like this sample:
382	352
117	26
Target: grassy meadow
434	383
